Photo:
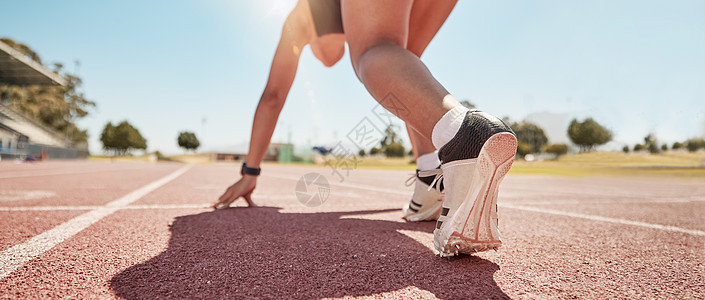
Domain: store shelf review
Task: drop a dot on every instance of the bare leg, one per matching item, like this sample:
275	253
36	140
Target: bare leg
377	33
427	17
420	145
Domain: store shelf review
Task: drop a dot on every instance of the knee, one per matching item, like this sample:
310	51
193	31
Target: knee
366	60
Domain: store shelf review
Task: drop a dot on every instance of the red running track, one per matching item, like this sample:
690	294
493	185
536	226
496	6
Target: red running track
139	231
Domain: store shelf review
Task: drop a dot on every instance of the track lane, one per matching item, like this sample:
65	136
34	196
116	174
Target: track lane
21	226
309	251
18	255
95	188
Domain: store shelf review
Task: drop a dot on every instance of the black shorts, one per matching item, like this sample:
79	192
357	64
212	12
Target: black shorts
326	16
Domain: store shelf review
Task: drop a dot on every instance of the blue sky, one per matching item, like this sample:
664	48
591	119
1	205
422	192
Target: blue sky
637	67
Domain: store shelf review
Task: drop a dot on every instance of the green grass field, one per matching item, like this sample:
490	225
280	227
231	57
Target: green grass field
670	165
676	165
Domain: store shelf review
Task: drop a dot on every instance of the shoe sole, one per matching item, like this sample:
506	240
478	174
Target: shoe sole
478	233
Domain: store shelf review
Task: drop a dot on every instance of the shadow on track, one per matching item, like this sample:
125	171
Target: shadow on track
261	253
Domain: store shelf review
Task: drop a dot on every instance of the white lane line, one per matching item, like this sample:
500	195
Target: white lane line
15	257
62	173
534	209
562	202
604	219
168	206
89	207
11	196
48	208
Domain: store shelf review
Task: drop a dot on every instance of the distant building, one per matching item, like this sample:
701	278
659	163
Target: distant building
220	156
21	136
275	152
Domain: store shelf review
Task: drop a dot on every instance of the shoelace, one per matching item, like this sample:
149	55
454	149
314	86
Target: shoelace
435	172
413	177
411	180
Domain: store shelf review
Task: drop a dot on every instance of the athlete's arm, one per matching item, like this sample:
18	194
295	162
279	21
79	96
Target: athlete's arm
281	75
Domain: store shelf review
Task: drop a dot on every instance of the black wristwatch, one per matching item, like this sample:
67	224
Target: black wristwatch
249	171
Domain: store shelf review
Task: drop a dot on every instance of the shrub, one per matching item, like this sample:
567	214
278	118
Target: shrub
395	149
695	144
557	149
523	149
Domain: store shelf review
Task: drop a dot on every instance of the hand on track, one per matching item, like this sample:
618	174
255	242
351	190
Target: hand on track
242	188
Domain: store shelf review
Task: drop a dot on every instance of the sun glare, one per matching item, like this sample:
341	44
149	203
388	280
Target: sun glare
278	8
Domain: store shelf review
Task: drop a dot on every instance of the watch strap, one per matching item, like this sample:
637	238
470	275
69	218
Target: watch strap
249	171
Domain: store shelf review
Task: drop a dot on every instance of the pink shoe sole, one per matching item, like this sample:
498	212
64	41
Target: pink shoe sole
478	232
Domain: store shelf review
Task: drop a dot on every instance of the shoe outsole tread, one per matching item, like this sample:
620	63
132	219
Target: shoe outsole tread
470	236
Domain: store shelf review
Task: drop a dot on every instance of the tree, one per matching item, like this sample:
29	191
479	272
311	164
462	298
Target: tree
695	144
391	143
58	107
651	143
361	153
664	147
188	140
390	136
588	134
677	146
530	134
654	149
557	149
107	137
467	104
625	149
374	151
639	147
121	139
395	149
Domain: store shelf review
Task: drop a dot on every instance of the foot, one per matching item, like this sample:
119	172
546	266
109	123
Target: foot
425	203
474	163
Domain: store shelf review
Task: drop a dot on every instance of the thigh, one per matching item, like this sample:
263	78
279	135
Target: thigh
426	18
369	23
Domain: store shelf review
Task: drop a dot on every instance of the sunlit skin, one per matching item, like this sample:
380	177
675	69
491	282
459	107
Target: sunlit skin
386	39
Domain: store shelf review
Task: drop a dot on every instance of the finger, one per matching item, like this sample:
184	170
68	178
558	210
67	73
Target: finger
248	198
221	199
224	204
226	195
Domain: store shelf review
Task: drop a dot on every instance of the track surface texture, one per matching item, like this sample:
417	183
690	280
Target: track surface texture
76	229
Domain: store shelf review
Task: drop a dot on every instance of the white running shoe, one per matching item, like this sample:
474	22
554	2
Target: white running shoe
474	163
425	203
